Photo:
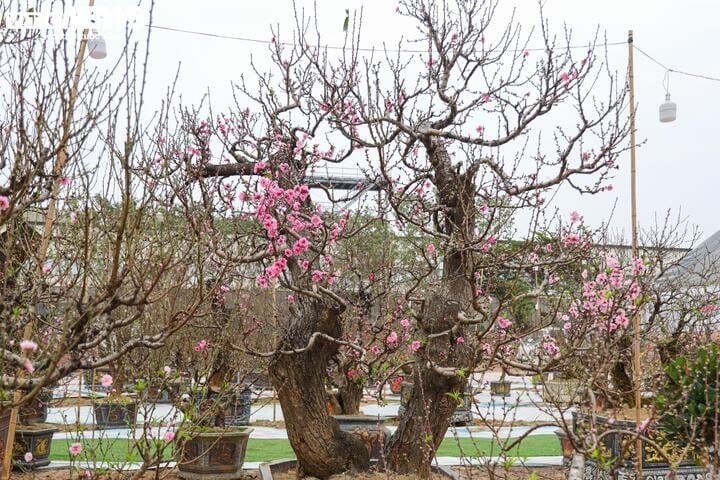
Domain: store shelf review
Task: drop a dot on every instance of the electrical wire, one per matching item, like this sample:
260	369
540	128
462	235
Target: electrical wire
672	70
395	50
336	47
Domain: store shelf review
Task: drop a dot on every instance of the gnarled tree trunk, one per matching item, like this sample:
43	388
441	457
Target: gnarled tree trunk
349	397
438	385
435	396
322	449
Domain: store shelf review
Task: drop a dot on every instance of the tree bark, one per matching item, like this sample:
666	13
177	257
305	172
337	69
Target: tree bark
435	397
322	449
349	397
436	394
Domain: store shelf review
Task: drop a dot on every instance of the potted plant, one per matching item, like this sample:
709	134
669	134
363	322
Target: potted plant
117	410
462	415
211	442
33	437
501	387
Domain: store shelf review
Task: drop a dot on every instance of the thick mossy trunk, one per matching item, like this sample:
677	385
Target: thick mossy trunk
322	449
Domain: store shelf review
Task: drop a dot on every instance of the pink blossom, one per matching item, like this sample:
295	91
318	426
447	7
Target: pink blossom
291	298
503	322
28	457
106	380
28	365
480	130
4	202
642	426
392	339
167	370
317	276
460	339
484	208
64	181
47	267
284	167
375	349
571	239
75	449
169	436
565	77
549	248
708	309
28	346
405	323
575	217
567	326
430	248
637	266
201	345
415	345
526	54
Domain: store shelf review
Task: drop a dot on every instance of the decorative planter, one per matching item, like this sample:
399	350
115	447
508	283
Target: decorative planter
110	415
257	379
213	455
35	439
236	404
370	430
501	388
284	466
562	391
91	379
36	410
461	416
622	447
4	425
566	446
395	385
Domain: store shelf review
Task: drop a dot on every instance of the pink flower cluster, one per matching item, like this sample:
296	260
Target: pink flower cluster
609	299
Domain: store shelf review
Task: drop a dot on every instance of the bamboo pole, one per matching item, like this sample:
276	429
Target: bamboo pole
45	241
633	206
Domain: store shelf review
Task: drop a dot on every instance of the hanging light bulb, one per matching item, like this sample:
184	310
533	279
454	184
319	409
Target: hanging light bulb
668	110
96	45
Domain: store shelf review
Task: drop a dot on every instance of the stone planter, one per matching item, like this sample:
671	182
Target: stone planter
285	466
36	410
501	388
566	446
91	379
110	415
36	439
621	447
565	392
213	455
236	404
461	416
370	430
4	425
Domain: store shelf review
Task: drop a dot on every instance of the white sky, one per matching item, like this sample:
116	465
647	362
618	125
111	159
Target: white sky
677	163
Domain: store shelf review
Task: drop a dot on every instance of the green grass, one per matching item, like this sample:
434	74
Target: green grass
259	450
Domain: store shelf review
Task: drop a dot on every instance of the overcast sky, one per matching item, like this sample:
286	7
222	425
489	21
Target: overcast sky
678	163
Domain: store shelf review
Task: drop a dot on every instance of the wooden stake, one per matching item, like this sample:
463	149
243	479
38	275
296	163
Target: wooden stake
633	206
